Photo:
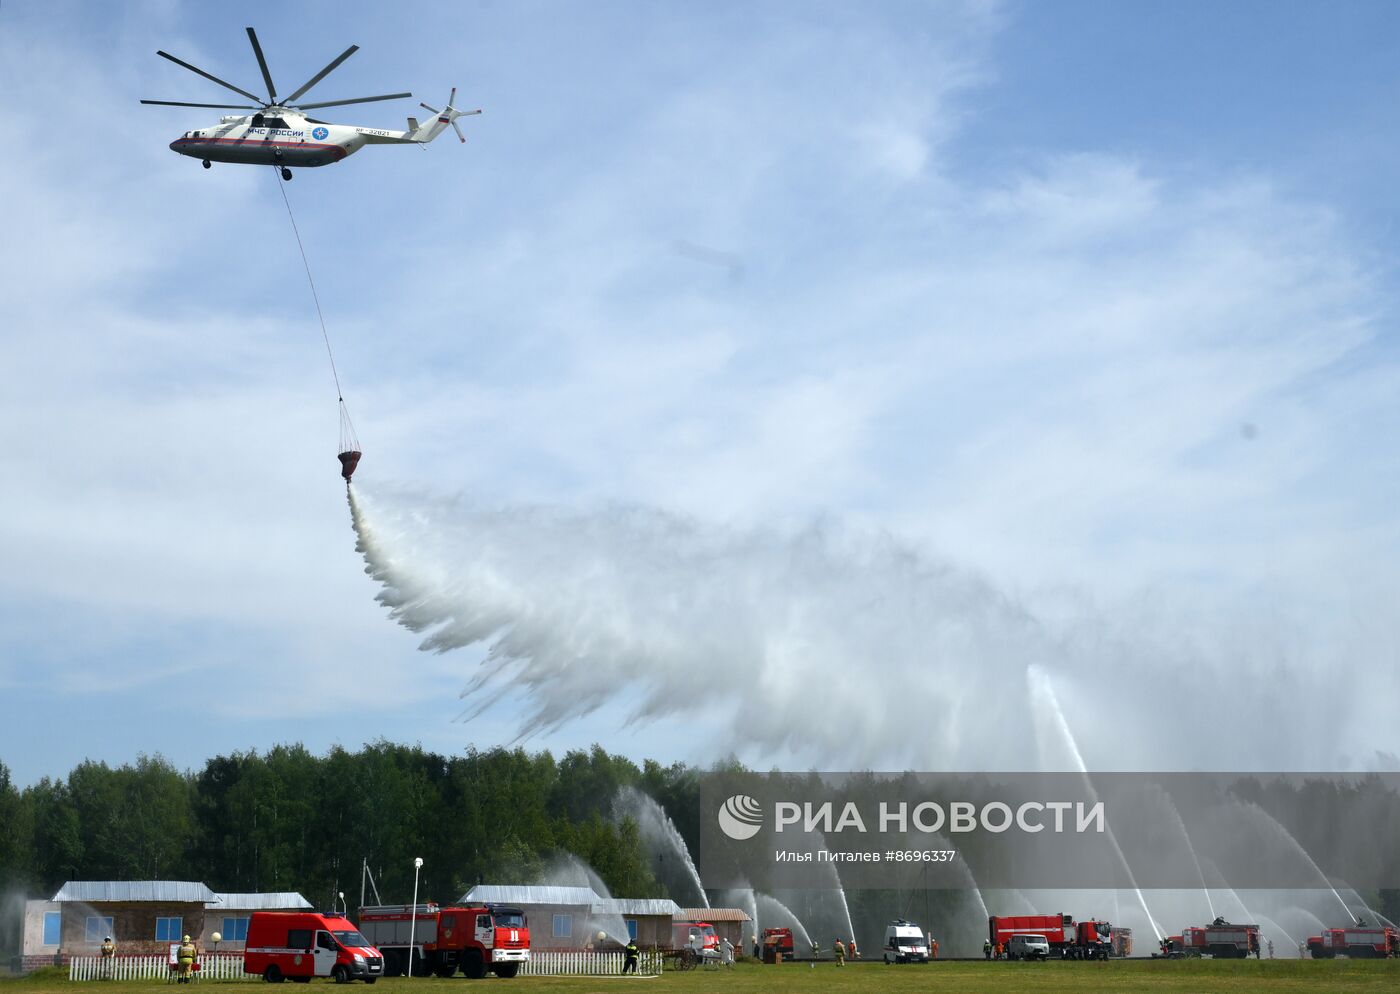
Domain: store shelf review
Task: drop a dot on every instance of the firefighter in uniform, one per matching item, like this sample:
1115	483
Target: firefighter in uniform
629	956
987	949
185	958
109	952
840	948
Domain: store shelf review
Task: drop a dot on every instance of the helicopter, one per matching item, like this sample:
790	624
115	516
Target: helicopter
278	132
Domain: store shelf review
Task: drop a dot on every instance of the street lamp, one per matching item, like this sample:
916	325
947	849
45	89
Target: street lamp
413	915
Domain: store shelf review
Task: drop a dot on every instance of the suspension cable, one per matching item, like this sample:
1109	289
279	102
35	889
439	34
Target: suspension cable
316	298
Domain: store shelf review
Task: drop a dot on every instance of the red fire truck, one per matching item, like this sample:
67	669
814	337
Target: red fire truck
430	939
1359	942
1068	939
777	942
1220	939
697	936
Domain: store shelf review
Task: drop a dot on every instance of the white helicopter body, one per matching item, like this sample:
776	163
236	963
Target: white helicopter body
279	133
281	136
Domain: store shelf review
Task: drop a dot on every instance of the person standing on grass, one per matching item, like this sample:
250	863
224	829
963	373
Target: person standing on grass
840	948
186	957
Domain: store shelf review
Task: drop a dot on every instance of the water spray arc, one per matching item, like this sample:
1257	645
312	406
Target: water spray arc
1043	692
661	835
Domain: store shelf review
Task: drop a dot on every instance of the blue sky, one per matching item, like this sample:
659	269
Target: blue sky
1094	300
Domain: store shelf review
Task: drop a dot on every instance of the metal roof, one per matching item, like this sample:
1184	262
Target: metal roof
642	906
163	891
512	894
286	900
712	915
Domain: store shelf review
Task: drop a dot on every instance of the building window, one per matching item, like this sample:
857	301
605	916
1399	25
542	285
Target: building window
563	926
53	927
631	928
97	929
169	929
235	930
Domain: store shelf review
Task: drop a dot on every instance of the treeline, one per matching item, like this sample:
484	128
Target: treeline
291	820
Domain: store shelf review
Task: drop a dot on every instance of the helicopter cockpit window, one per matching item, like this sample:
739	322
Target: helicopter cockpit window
270	122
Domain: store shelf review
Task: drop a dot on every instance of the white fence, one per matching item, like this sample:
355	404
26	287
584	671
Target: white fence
212	966
229	966
585	962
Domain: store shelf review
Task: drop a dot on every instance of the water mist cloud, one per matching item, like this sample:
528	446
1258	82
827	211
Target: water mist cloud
821	644
818	642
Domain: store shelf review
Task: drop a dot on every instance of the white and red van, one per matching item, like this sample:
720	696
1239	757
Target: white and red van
306	944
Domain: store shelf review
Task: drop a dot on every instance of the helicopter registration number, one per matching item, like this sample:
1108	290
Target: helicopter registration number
376	131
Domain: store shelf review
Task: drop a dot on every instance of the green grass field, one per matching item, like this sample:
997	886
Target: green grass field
1117	977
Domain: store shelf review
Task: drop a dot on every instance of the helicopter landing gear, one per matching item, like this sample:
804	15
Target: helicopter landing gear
286	173
207	163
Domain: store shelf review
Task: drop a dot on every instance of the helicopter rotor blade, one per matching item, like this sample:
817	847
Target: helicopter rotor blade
210	76
262	64
323	73
182	103
461	137
426	107
357	100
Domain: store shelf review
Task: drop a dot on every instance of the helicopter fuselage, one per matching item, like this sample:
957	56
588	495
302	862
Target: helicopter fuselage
280	134
279	140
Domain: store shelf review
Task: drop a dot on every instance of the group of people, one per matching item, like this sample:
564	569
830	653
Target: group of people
185	958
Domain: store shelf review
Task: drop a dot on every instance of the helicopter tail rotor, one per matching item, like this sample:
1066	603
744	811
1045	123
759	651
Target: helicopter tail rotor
448	115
